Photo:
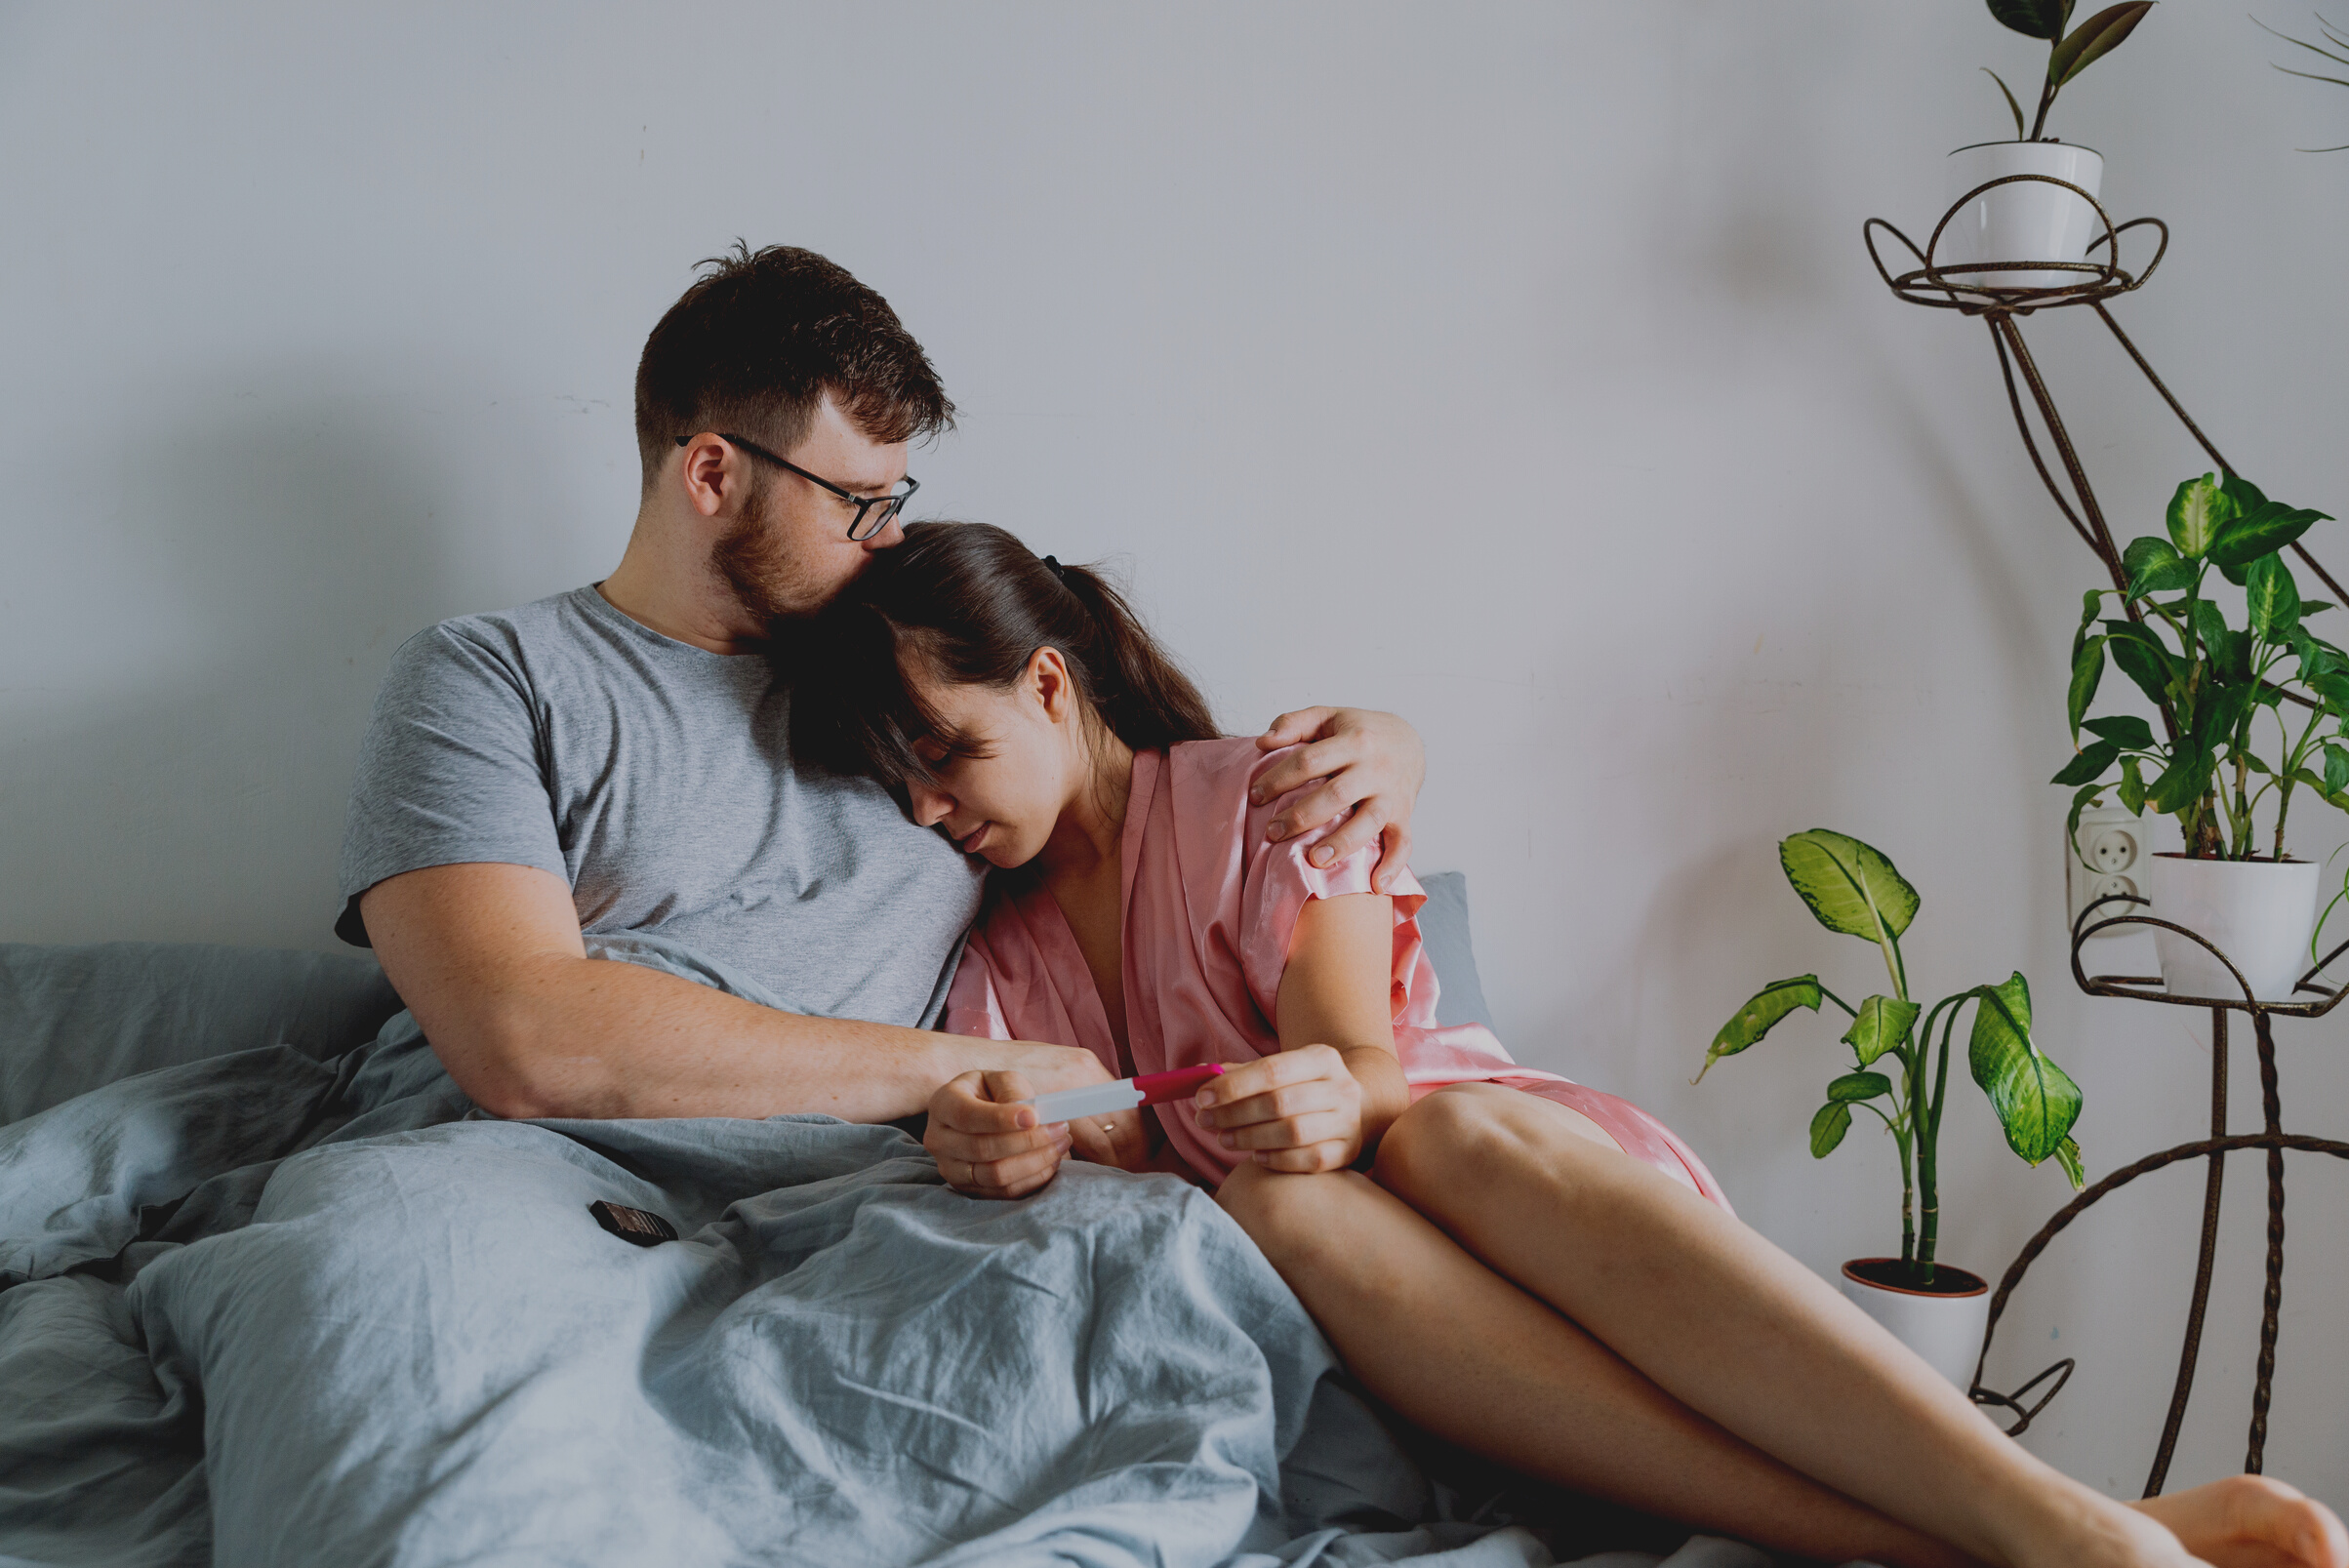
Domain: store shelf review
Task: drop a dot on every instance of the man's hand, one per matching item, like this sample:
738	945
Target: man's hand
1369	763
1301	1111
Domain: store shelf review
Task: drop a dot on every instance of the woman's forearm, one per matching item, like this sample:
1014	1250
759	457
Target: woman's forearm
1385	1093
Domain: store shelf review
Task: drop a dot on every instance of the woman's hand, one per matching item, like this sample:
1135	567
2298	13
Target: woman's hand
1300	1111
1369	763
988	1147
985	1146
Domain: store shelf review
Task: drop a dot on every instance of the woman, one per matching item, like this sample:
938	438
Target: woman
1545	1277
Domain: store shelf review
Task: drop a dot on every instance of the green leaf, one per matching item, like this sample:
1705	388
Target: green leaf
2087	668
2093	39
2124	730
2033	19
2261	531
2090	603
2035	1101
1882	1022
2221	715
2197	512
2272	598
2333	687
2182	782
1760	1016
2336	769
2249	497
2090	765
2017	109
1851	887
2210	624
1828	1127
2085	796
2314	607
2067	1156
2133	786
1854	1087
2145	663
2154	566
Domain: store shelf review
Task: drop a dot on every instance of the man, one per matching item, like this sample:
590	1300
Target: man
615	759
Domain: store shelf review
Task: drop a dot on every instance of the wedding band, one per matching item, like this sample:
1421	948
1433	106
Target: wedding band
1109	1129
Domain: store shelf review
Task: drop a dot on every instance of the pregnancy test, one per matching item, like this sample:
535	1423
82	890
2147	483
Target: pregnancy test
1107	1098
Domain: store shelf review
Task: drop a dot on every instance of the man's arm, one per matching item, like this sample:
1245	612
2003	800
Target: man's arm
1369	763
490	960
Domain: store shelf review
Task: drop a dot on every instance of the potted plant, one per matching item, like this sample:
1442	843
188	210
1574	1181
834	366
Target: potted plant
2249	716
2031	219
1938	1310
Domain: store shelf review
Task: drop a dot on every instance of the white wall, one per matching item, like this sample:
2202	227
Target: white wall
1516	367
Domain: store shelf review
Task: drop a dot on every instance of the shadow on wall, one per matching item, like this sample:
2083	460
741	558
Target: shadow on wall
252	571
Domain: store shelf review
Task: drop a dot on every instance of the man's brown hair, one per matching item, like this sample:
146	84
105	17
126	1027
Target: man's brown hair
760	339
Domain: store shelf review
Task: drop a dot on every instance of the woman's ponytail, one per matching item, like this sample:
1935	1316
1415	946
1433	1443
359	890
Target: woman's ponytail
1141	692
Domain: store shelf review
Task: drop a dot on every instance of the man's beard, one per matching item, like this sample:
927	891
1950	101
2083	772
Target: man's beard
757	565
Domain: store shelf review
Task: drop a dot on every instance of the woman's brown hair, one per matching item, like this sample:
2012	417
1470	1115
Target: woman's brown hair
969	605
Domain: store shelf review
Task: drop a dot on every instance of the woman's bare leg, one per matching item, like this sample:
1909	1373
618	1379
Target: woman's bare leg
1466	1354
1728	1326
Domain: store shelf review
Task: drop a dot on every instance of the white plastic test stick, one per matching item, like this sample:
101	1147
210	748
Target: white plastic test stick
1093	1099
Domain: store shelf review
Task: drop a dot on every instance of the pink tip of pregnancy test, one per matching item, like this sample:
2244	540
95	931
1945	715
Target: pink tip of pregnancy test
1160	1087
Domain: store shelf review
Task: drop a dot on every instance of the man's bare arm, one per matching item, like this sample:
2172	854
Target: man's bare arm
490	960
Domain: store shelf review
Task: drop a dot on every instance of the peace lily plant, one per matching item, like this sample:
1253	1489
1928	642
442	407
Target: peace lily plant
1854	889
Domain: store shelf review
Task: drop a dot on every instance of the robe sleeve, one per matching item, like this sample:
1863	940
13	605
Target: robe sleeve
1275	882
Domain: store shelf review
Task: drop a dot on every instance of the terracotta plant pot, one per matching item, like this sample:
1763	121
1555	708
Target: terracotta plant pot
1944	1324
2258	912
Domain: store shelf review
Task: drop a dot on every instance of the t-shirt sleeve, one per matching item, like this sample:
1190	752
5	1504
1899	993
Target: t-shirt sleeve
452	770
1276	882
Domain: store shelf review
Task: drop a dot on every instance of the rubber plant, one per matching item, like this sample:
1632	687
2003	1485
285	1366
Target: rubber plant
2215	689
1855	890
2067	52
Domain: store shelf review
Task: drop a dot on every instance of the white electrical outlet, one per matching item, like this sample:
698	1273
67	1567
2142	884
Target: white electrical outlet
2115	846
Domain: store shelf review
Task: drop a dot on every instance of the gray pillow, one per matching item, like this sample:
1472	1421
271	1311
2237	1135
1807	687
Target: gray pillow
73	1019
1443	927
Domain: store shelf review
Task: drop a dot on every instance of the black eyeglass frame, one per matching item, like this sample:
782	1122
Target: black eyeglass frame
890	506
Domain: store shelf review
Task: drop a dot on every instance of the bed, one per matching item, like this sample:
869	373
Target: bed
273	1292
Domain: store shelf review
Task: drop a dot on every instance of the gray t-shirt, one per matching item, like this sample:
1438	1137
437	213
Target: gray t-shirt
656	778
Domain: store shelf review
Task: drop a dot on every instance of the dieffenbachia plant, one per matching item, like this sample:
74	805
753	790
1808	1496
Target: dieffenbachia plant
2210	683
1855	890
2069	53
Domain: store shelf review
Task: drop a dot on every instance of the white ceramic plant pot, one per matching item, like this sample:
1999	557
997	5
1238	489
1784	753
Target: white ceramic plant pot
2258	912
1944	1325
2028	221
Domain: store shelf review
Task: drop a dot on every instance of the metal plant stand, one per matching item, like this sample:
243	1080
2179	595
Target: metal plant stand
1963	288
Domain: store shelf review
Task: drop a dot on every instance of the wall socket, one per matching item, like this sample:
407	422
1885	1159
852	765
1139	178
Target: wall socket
2116	847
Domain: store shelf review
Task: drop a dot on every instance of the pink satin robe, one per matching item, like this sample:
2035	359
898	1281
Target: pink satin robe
1209	910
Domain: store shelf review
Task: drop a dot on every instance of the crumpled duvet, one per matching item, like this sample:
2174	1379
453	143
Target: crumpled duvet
258	1309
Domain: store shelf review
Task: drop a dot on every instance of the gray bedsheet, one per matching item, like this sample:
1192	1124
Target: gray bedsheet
261	1307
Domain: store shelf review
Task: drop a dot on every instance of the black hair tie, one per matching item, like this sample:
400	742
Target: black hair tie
1052	565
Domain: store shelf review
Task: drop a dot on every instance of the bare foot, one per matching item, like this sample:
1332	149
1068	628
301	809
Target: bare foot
2249	1521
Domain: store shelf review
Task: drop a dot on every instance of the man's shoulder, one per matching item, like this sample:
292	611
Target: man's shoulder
517	638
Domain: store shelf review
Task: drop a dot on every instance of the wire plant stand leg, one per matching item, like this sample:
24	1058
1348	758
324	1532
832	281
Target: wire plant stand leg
2213	1185
2272	1305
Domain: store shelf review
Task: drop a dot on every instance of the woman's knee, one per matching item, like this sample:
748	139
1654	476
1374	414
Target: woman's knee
1290	1218
1475	1132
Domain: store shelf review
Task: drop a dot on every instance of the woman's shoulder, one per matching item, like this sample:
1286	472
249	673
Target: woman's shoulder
1228	766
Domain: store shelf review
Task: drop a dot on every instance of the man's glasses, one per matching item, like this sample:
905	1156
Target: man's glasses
873	511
